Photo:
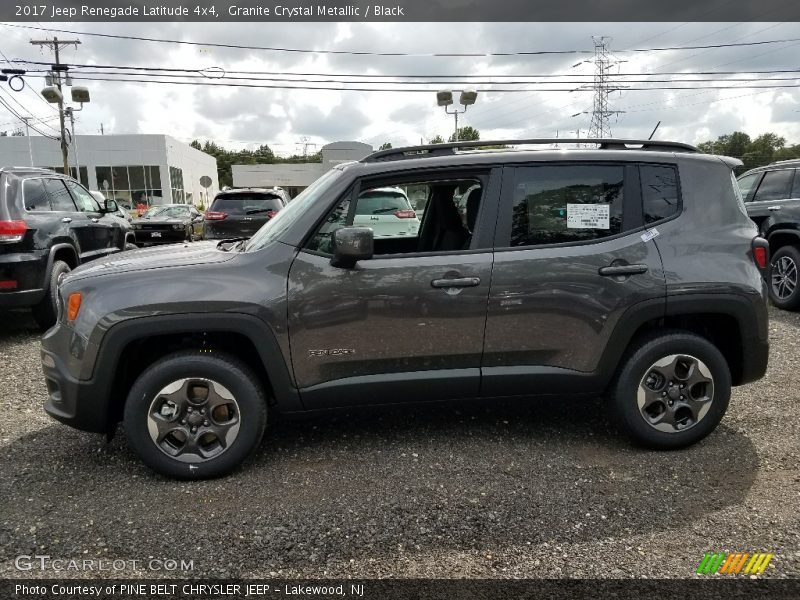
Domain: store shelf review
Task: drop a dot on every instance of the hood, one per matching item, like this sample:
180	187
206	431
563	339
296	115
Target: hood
159	257
161	220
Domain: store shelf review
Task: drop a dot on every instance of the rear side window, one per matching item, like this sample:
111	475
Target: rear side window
34	195
746	184
380	202
60	199
566	203
246	204
776	185
659	192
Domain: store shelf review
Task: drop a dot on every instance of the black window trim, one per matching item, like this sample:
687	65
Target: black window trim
488	175
631	189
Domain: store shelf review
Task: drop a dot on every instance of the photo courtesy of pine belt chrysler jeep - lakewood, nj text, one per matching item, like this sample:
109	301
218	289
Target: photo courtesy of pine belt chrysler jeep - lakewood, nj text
628	269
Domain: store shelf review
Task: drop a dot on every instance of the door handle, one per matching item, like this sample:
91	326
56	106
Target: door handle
617	270
773	208
457	282
66	220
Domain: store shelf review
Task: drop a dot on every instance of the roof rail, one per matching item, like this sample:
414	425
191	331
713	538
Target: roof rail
453	147
785	162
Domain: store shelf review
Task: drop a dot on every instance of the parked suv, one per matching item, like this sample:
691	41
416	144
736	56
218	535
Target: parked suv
630	269
241	212
772	198
49	224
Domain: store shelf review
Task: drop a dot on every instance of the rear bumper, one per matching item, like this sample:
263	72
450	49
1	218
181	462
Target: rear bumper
29	271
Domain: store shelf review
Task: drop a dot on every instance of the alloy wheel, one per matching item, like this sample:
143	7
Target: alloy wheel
193	420
675	393
784	277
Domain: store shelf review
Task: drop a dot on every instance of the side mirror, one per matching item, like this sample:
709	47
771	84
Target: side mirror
111	206
350	245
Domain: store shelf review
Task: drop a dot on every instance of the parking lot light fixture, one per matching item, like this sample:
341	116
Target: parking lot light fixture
466	99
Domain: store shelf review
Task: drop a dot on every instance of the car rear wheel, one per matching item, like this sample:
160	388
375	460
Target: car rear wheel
783	278
195	416
46	312
672	391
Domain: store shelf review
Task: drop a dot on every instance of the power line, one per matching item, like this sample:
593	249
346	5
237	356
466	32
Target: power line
389	54
22	119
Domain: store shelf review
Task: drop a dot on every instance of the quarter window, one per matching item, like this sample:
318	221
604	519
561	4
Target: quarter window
659	192
566	203
746	184
776	185
35	195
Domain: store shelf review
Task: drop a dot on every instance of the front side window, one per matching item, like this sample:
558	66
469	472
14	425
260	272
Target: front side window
83	199
746	184
34	195
776	185
556	204
659	192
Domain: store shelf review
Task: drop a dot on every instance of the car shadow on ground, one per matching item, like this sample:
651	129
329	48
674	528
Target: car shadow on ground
17	322
367	483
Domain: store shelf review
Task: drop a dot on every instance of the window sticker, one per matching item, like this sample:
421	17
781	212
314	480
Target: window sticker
649	234
588	216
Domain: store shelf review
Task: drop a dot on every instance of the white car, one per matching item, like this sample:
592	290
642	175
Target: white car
387	212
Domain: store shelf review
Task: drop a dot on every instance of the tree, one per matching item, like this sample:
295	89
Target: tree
385	146
261	155
466	134
764	149
437	139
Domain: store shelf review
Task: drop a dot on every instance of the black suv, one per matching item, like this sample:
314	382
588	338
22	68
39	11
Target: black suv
239	213
49	224
631	268
772	197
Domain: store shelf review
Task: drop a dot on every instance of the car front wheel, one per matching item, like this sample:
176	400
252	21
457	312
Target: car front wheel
195	416
672	391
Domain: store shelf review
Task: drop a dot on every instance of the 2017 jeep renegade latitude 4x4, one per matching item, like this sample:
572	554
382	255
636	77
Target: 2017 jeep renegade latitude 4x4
633	270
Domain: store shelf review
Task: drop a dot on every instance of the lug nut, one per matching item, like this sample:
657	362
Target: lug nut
183	422
205	423
190	409
194	429
202	411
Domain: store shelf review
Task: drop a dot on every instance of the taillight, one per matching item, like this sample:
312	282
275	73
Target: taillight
8	284
215	216
12	231
405	214
761	253
271	213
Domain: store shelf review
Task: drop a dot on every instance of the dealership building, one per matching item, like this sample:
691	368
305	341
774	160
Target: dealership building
132	169
295	177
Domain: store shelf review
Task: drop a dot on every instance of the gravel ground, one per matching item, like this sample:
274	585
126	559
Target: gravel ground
538	489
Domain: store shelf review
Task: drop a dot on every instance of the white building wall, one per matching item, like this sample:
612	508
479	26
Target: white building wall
118	151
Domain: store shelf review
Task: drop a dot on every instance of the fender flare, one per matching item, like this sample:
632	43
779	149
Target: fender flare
261	335
51	257
783	231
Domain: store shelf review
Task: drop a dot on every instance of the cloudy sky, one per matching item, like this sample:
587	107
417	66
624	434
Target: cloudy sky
246	117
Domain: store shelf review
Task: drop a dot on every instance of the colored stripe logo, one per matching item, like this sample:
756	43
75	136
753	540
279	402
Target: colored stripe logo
734	563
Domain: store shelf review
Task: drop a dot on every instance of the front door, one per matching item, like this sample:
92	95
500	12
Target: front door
570	259
405	325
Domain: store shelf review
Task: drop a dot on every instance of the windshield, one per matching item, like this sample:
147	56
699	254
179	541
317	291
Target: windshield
166	212
293	211
375	203
246	204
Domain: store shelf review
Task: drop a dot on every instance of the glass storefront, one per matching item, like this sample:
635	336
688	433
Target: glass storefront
176	183
131	186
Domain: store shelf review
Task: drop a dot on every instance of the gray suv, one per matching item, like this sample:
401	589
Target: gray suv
630	269
772	198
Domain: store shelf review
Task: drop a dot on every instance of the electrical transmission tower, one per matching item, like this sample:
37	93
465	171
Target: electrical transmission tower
599	127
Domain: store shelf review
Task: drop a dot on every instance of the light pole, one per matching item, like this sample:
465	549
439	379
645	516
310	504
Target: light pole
466	99
80	95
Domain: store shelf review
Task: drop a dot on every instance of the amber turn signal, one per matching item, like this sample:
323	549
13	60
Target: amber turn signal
74	305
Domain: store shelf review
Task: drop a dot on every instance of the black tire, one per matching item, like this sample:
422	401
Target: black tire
637	365
787	255
223	369
46	312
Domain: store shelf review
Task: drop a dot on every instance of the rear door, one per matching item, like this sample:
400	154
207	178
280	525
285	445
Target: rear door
569	260
242	214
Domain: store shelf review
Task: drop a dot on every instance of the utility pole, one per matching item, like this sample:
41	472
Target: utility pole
55	45
28	134
599	127
71	113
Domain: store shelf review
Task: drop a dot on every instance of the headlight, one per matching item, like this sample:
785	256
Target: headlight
177	226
